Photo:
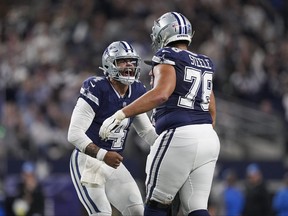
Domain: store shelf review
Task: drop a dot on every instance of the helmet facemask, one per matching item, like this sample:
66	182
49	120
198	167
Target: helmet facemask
127	74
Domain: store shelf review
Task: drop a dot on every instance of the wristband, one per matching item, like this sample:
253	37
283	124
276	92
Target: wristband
119	115
101	154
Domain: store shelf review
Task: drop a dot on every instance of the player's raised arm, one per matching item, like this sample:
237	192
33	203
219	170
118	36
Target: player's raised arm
164	82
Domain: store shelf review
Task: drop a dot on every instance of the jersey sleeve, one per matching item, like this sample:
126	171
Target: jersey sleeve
90	92
164	56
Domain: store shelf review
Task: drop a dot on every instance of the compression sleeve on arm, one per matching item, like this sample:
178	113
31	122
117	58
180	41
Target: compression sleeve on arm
144	128
81	119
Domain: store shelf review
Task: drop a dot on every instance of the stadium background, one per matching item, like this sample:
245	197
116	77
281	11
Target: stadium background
48	47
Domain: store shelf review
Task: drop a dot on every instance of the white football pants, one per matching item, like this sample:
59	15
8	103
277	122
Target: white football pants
183	160
120	190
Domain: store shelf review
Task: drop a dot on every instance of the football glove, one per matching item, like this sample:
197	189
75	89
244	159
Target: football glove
110	124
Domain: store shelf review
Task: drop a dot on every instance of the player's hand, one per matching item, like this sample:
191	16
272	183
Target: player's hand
113	159
110	124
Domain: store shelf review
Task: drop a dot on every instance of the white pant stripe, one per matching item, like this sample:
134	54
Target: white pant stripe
81	190
157	162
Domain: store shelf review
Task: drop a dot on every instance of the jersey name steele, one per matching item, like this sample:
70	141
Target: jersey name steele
200	62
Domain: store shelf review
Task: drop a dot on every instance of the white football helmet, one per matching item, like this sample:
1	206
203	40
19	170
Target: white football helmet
171	26
121	50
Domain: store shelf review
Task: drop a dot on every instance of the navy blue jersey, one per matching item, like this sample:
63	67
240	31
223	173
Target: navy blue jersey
189	102
105	101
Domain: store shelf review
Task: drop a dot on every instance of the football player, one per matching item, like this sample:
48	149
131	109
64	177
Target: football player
184	156
98	175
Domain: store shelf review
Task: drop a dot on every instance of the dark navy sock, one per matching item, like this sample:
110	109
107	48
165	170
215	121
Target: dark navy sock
150	211
201	212
153	208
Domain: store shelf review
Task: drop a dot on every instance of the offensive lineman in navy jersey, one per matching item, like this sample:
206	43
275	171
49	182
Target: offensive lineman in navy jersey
98	175
183	157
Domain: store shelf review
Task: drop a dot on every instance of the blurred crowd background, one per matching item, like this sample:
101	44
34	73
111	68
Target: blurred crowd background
48	47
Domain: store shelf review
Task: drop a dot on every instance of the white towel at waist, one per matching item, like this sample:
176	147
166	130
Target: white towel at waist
95	172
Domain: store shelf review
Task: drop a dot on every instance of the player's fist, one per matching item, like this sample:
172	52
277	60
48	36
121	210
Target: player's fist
110	124
113	159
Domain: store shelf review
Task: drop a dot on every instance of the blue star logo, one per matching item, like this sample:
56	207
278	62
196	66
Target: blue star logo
162	58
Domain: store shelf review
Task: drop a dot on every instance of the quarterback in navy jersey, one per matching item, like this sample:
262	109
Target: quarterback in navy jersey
182	159
104	100
98	175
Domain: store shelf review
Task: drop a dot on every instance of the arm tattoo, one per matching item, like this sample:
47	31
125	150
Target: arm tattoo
92	150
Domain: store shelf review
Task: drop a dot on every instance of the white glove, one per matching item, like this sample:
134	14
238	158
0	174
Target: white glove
110	124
